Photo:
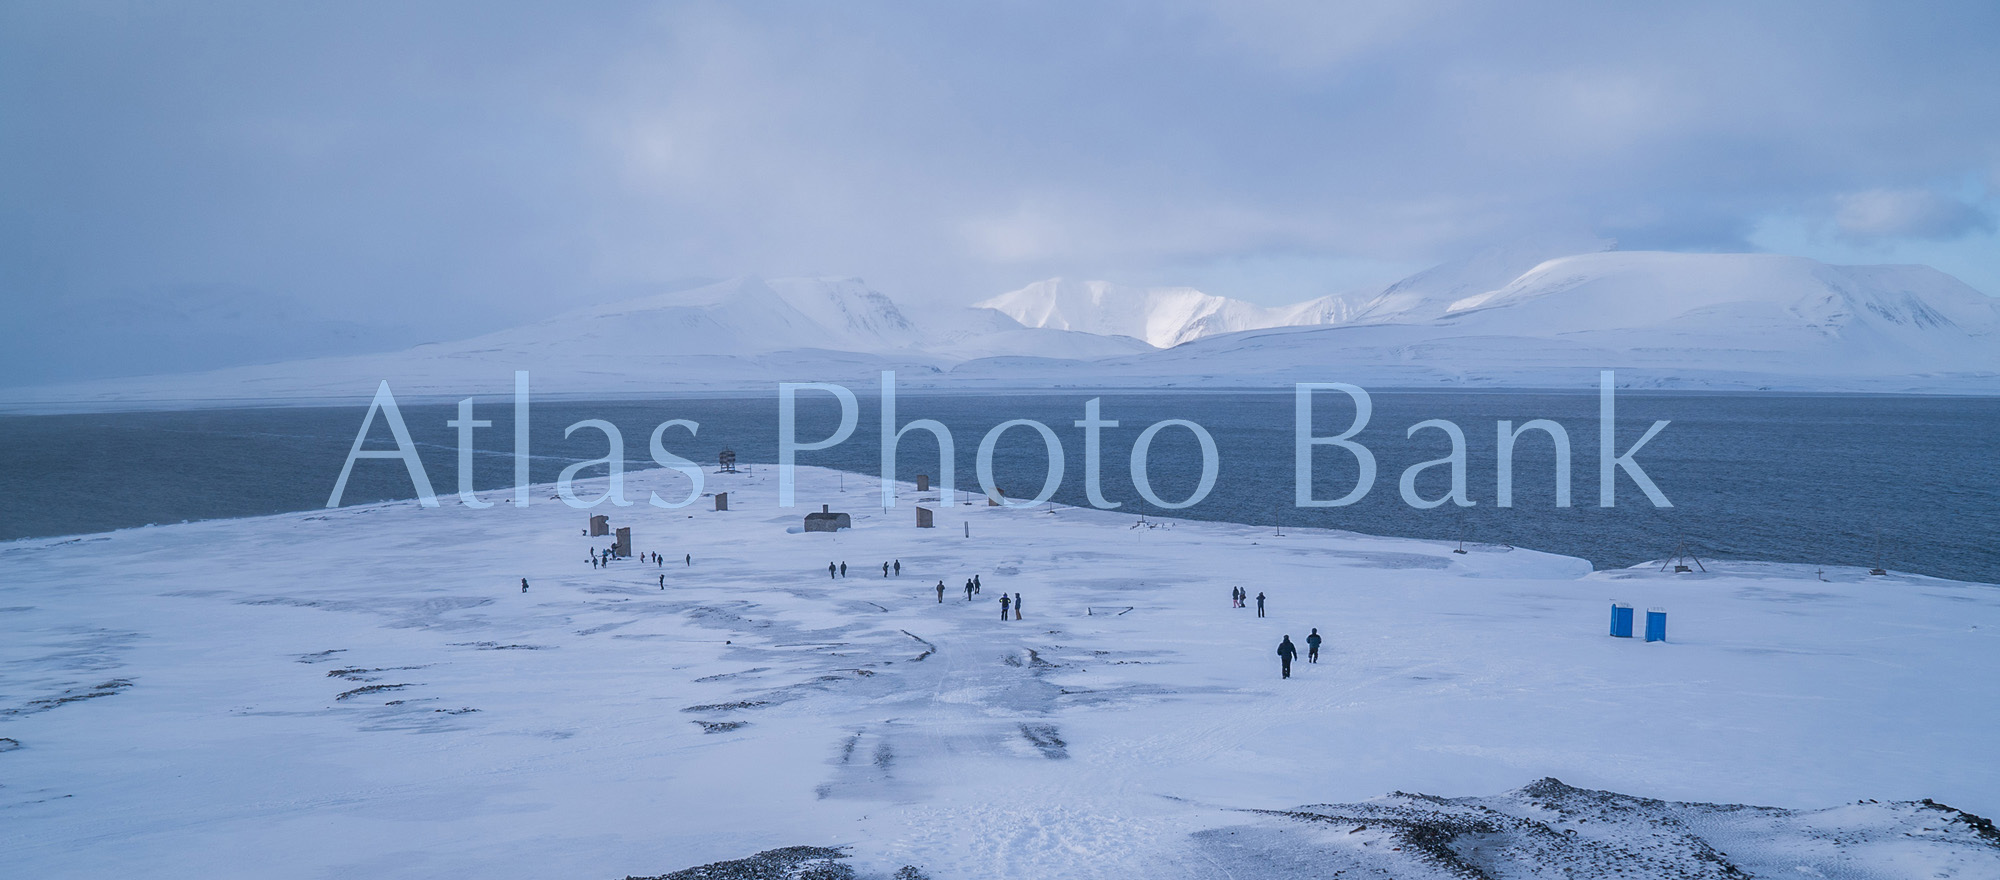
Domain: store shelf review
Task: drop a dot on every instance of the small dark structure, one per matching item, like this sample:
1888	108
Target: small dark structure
726	462
722	501
600	525
622	547
923	482
828	521
1682	556
924	518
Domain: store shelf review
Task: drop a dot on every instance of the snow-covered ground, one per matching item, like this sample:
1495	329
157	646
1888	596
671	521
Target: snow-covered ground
366	692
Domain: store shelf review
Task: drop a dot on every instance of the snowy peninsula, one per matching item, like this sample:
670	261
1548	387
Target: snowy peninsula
368	691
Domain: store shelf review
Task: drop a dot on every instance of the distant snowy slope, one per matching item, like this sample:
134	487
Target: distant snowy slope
741	316
741	334
1170	316
1669	319
1666	320
1162	316
1837	319
1426	295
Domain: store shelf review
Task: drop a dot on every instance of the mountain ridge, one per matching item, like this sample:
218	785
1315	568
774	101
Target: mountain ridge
1664	319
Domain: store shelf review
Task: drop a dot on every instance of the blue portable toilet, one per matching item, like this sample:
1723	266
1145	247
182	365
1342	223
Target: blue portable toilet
1656	624
1621	620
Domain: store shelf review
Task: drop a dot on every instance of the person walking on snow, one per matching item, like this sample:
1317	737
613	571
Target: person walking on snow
940	592
899	569
975	585
524	585
1312	646
1003	606
830	568
885	569
689	559
663	582
843	569
968	589
1260	604
1017	606
1286	651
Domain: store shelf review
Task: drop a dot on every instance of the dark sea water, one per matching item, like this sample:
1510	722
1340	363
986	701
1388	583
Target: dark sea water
1794	478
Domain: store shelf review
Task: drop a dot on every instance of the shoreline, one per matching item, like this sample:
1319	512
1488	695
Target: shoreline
546	492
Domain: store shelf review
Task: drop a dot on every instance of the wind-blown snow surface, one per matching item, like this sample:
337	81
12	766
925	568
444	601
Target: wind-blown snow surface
366	692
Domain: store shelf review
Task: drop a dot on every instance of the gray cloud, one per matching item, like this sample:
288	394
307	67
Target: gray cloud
1878	214
421	171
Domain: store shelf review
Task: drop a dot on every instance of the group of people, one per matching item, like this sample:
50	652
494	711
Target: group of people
601	557
1008	604
1287	651
839	570
1239	596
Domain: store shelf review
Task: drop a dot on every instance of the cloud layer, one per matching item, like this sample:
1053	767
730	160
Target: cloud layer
379	175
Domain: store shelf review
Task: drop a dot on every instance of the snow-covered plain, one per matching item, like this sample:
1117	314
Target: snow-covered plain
367	692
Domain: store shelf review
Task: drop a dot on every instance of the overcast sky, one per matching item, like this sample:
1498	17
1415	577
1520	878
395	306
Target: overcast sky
194	184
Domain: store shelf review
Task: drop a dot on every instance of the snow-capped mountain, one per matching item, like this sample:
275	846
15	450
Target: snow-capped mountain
1665	319
741	334
1668	319
1162	316
1169	316
741	316
1427	295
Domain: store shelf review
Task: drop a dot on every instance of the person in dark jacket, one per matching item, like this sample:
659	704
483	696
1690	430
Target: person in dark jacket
899	568
1017	606
663	582
524	585
1312	646
1286	651
1003	606
1260	604
843	569
968	590
940	592
885	569
830	569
